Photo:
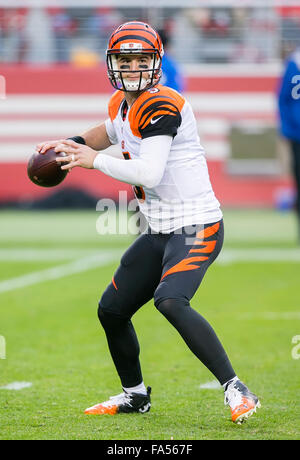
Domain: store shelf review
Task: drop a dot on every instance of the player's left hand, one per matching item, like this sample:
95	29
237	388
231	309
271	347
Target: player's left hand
77	155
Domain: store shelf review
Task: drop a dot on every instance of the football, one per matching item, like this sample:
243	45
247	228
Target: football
43	170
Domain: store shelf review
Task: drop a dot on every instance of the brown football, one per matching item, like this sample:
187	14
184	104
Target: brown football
43	170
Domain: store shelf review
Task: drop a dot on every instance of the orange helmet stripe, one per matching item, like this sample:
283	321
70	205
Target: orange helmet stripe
139	31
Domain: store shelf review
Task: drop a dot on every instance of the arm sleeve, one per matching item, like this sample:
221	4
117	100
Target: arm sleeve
111	131
146	171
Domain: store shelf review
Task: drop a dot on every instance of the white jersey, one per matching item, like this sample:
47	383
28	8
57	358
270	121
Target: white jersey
184	195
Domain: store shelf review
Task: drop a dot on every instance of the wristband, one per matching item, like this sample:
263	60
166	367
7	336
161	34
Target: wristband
77	139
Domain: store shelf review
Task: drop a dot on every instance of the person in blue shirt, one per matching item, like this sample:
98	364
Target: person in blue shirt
289	116
171	76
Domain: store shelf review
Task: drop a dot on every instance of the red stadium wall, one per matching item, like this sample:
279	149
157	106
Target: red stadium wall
65	79
69	80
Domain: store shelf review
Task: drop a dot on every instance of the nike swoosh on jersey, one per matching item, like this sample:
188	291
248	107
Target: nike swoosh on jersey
155	121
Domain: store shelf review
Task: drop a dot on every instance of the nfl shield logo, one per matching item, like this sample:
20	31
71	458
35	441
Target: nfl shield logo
130	47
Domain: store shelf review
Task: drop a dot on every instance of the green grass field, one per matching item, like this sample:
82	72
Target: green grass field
53	269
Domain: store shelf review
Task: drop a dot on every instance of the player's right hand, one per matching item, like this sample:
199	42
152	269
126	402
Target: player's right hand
44	146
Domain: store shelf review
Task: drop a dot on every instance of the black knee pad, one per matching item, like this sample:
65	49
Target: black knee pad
118	302
109	305
164	306
101	313
109	298
172	307
169	289
110	320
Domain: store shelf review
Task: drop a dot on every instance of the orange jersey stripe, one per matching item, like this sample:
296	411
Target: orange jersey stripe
167	97
148	118
114	104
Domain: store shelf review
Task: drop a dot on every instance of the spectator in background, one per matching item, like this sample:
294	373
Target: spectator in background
105	19
289	112
171	75
13	22
63	27
1	32
39	37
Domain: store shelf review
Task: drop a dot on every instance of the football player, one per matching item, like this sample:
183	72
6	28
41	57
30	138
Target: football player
165	163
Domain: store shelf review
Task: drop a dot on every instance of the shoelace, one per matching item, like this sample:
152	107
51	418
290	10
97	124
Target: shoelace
122	398
232	396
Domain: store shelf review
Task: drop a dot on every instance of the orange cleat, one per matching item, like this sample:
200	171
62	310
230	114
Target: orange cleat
242	402
124	402
102	408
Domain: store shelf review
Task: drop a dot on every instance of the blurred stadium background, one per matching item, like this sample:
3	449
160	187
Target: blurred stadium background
229	52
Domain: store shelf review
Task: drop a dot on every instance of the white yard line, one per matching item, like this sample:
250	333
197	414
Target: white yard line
270	316
45	254
228	256
89	259
16	386
60	271
211	385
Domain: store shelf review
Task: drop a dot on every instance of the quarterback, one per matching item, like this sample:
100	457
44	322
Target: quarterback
165	163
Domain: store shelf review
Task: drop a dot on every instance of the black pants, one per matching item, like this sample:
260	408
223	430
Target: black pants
168	268
295	151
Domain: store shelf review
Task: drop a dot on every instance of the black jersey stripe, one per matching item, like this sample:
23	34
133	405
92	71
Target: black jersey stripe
157	105
151	113
160	105
153	97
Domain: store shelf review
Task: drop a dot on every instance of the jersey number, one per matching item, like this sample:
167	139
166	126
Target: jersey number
139	191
